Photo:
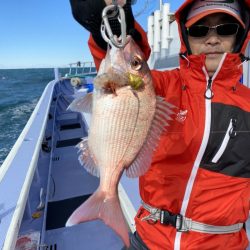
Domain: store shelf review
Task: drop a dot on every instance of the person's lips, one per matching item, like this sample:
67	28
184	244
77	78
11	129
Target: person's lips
213	54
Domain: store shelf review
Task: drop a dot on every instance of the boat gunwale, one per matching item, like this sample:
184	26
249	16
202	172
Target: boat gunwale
11	227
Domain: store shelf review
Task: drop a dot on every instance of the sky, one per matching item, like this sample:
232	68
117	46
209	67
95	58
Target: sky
39	34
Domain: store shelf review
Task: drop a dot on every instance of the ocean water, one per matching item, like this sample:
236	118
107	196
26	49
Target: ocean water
20	90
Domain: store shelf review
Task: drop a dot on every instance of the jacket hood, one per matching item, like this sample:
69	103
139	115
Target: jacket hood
242	41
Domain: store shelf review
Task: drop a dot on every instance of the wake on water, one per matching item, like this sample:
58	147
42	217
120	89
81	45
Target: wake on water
20	90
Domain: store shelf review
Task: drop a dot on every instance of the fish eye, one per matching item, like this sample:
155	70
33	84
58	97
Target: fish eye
136	63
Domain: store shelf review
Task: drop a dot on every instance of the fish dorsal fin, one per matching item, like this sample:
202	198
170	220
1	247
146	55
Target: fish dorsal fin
162	115
82	104
86	159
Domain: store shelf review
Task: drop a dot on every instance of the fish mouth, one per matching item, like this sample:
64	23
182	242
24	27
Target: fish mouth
110	87
110	82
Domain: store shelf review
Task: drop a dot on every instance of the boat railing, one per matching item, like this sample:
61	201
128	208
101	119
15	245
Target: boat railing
81	69
17	171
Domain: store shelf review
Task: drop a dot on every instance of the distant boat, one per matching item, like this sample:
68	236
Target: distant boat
41	180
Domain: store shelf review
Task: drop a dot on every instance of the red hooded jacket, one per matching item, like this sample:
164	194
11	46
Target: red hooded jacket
194	172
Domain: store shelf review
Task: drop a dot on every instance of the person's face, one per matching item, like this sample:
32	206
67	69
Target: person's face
213	45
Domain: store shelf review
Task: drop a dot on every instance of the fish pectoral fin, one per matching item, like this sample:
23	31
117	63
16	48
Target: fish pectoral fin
162	115
82	104
107	209
85	158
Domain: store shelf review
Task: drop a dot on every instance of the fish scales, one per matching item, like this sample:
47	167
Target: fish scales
128	113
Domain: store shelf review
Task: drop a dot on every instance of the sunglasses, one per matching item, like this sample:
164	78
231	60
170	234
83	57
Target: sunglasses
226	29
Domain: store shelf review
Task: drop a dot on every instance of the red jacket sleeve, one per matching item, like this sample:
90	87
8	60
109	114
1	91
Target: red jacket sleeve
98	53
165	81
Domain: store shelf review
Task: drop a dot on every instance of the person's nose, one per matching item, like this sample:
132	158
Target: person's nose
212	38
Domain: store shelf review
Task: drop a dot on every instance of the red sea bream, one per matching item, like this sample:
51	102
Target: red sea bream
127	120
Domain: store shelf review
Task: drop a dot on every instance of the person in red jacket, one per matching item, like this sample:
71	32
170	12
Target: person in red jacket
196	193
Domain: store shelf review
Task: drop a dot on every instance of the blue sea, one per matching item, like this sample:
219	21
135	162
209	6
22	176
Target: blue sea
20	90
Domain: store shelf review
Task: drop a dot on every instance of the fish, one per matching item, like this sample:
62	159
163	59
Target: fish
126	123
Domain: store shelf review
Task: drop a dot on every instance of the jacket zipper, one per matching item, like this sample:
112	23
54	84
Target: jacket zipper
229	134
209	93
208	105
208	96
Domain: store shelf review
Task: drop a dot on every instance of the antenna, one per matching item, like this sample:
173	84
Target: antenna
161	2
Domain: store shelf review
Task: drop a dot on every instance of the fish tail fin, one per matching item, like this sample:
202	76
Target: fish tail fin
107	209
